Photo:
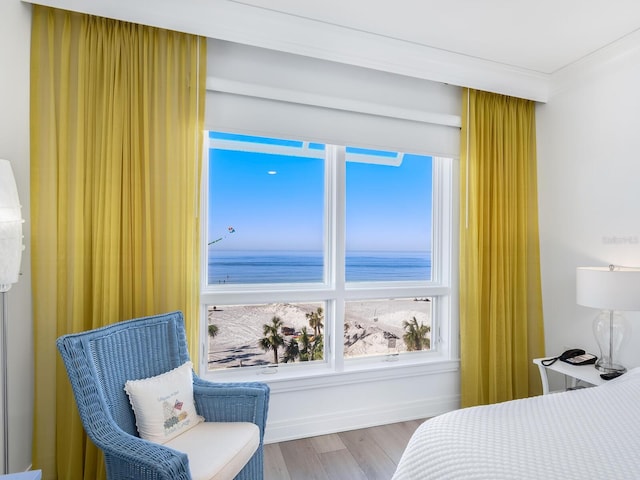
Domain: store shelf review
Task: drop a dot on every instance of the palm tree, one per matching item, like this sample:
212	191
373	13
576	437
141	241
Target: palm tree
415	336
305	345
272	339
291	351
213	330
315	320
317	352
305	348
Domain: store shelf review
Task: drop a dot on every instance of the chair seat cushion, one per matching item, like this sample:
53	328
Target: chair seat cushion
217	450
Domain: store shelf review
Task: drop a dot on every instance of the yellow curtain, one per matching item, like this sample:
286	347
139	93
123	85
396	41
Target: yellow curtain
501	323
116	135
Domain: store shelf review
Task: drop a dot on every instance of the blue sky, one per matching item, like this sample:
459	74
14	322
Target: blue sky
388	207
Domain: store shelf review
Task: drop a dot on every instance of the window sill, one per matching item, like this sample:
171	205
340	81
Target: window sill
286	378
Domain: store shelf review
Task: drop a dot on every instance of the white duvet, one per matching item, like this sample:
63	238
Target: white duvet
591	433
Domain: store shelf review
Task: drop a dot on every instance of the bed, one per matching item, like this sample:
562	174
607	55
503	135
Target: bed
590	433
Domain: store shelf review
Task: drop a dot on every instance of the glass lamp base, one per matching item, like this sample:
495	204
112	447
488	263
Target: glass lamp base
607	367
612	331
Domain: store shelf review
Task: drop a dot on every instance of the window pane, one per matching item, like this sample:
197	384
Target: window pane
250	335
389	218
383	327
266	211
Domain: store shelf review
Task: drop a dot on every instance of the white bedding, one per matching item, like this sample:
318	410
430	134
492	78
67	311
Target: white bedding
591	433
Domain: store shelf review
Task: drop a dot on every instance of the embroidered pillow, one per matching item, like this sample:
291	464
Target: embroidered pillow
163	405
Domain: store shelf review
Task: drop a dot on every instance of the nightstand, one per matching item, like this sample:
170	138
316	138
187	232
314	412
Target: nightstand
586	373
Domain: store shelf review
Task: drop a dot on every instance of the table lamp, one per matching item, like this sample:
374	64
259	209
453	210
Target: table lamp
612	289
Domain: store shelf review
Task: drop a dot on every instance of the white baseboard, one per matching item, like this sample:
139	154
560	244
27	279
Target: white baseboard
295	428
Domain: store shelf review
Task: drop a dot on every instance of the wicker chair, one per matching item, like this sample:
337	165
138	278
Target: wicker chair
98	364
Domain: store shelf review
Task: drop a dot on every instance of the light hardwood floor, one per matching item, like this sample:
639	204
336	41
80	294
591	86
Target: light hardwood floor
367	454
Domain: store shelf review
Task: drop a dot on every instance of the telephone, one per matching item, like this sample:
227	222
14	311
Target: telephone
573	356
577	356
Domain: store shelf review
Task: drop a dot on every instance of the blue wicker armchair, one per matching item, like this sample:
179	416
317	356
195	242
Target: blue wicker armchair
98	364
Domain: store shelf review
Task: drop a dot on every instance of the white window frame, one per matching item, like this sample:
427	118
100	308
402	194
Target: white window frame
335	291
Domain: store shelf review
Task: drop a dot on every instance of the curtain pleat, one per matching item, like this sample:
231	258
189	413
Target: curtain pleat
501	322
117	114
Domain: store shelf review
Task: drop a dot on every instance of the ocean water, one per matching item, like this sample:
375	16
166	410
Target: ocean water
242	267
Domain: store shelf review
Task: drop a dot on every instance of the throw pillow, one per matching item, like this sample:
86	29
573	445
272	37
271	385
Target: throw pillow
163	405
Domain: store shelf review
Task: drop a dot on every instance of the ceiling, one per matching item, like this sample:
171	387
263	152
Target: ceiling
542	36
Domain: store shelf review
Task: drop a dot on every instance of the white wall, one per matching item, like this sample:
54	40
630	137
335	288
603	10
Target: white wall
589	172
15	32
347	401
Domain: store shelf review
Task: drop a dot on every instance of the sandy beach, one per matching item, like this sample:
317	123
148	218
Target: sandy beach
371	328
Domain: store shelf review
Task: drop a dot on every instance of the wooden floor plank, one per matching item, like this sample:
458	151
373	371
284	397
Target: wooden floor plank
303	463
275	468
327	443
392	439
413	425
366	454
340	465
373	460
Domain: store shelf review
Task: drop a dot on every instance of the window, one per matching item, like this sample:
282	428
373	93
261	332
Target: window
388	213
322	255
266	211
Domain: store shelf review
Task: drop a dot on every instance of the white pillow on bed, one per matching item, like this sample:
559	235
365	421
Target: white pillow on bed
163	405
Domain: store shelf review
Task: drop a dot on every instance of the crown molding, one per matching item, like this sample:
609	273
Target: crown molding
235	22
611	57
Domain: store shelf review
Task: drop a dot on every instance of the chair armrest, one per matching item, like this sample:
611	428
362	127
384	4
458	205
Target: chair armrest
232	402
128	456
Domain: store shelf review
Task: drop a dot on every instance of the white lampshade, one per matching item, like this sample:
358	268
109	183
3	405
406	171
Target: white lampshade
608	288
10	228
